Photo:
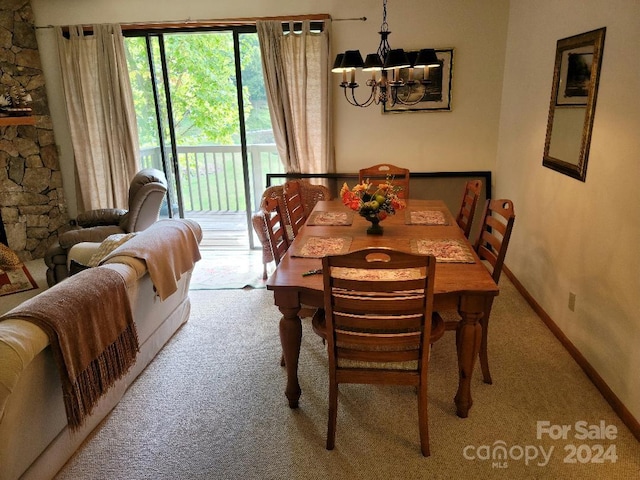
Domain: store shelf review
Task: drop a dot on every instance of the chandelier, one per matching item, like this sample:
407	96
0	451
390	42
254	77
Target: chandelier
391	88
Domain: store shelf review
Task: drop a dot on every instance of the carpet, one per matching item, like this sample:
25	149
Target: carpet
211	406
228	270
16	280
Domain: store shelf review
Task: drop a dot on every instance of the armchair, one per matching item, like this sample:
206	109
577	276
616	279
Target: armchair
146	193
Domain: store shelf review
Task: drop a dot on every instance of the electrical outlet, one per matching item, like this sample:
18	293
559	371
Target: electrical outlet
572	301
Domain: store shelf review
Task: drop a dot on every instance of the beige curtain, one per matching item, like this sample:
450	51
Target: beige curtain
296	69
101	114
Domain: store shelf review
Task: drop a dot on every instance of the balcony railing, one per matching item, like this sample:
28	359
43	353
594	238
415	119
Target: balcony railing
211	177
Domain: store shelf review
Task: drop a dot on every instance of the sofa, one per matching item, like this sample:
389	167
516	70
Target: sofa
35	437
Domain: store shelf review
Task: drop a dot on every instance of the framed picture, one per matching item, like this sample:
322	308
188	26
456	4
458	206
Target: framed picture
431	91
575	76
572	105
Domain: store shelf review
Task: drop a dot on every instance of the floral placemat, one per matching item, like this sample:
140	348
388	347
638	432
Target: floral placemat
445	250
426	217
318	247
377	274
330	218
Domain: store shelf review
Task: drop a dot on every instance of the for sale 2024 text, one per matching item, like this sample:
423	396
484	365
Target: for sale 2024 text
582	430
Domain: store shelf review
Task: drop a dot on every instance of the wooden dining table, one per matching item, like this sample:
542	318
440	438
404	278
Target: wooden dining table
461	281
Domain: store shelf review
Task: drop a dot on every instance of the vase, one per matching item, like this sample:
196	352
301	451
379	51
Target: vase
375	228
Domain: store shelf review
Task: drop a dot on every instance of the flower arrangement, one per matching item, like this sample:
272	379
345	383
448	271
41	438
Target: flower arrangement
373	203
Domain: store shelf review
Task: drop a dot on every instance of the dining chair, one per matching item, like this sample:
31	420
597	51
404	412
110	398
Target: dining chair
399	176
378	324
310	193
294	204
259	223
491	246
497	223
467	211
276	229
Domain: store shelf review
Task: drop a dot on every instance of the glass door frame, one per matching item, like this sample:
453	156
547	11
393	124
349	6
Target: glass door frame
172	164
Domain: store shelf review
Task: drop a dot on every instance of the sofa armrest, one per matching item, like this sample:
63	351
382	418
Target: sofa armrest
20	342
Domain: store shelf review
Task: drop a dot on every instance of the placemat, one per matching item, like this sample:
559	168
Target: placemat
426	217
330	218
445	250
318	247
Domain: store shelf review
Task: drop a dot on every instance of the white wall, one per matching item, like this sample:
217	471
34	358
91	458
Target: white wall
464	139
571	236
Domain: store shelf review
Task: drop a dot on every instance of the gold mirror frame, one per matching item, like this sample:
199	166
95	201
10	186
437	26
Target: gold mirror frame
573	103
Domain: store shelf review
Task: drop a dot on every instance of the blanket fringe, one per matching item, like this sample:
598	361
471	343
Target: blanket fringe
114	362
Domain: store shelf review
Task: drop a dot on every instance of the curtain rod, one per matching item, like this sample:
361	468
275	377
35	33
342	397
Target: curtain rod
188	23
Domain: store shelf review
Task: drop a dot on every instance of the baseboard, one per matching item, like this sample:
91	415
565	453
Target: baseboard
618	407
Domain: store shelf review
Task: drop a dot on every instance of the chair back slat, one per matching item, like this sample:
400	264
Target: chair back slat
496	225
372	306
397	323
369	356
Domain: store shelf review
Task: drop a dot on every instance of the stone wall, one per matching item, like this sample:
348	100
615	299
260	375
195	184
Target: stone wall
32	201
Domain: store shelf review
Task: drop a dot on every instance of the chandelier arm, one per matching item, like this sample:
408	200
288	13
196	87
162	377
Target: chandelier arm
353	101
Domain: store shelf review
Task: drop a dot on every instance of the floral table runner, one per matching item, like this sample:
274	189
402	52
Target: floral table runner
426	217
330	218
318	247
445	250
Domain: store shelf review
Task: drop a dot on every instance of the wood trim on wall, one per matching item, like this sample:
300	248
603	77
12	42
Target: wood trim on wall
618	407
484	174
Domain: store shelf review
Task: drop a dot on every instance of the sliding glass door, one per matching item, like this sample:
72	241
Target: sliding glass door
203	119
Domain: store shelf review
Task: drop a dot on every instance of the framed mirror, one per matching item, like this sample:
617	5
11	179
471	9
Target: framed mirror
573	103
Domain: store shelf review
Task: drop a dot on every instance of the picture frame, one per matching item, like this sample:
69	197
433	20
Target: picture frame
572	106
574	77
432	97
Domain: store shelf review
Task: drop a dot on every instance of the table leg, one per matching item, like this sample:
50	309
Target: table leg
484	357
468	338
290	338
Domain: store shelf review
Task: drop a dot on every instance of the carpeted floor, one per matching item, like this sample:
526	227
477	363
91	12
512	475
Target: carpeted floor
212	406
